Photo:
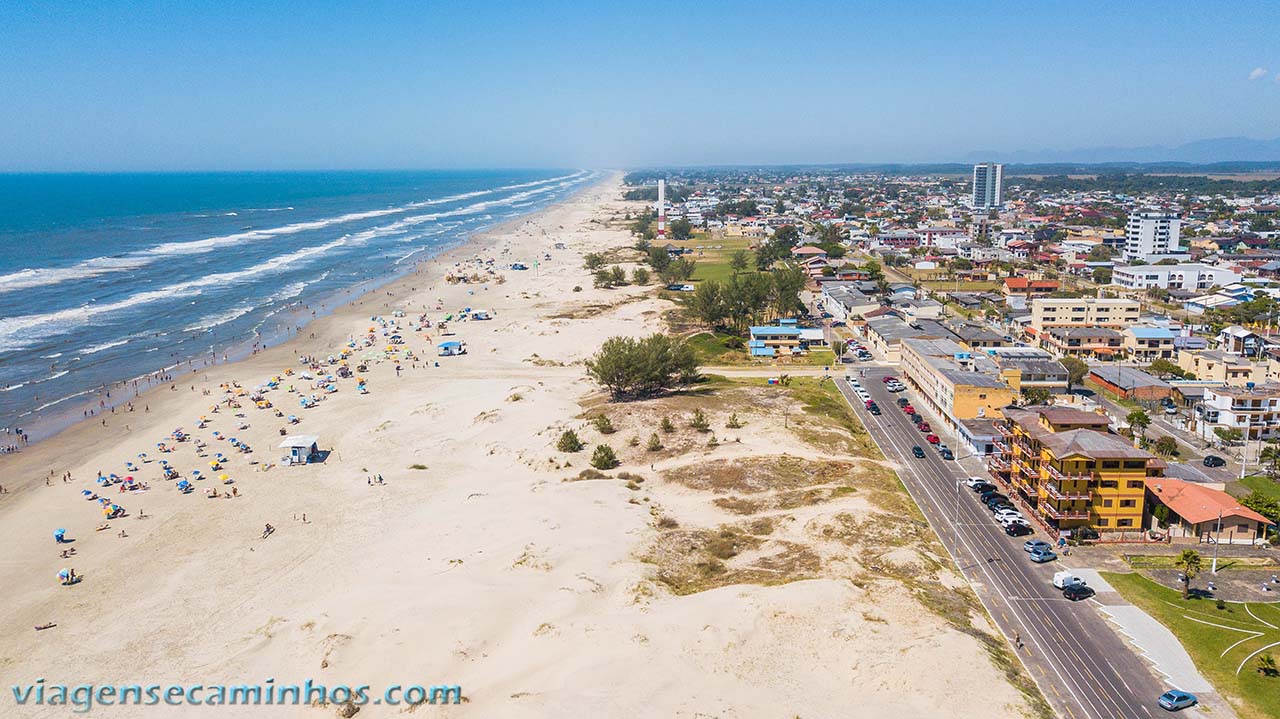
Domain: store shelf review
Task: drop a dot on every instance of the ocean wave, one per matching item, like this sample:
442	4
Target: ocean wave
12	387
87	269
105	346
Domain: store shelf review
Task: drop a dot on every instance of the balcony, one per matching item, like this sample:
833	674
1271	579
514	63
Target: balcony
1060	476
1003	429
1053	492
996	464
1000	446
1049	511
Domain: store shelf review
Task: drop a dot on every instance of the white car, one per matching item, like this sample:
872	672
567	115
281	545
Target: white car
1009	514
1007	521
975	481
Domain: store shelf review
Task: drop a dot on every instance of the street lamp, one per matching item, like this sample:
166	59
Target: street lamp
1216	539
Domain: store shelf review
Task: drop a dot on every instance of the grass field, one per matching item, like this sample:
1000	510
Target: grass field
1224	643
1169	561
1263	485
713	264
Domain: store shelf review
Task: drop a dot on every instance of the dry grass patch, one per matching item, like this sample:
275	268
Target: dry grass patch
690	561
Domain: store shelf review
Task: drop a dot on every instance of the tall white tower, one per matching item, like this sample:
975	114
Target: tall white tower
987	180
662	209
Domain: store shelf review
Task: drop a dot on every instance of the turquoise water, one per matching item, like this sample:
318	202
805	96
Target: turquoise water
105	278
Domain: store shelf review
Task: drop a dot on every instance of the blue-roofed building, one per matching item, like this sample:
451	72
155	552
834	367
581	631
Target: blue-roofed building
1148	343
776	338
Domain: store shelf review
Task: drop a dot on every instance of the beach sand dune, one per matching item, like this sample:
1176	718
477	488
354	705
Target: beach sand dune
473	562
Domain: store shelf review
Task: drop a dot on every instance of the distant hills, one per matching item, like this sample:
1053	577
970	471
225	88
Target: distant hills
1220	151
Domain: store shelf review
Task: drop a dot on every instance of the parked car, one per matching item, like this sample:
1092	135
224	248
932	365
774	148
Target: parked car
1175	699
903	401
918	451
983	487
1033	544
909	409
986	496
875	410
973	482
1078	592
1214	460
924	426
932	439
1170	410
947	454
1018	529
996	505
1064	579
888	378
1040	556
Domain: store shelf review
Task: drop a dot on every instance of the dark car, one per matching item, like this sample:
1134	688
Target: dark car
903	401
983	487
987	495
947	454
918	451
874	410
1077	592
999	505
1017	529
1214	460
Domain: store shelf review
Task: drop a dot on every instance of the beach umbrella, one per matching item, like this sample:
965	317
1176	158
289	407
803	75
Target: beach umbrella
195	474
223	477
103	480
64	575
86	492
142	455
59	534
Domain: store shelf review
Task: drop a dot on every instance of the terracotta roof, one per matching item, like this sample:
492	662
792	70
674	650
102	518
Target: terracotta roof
1197	503
1022	283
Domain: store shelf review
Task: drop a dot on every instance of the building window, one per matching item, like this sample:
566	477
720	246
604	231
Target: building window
1106	503
1124	523
1111	465
1109	484
1103	521
1128	503
1135	484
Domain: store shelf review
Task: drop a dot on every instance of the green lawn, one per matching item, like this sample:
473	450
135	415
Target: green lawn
710	349
1263	485
1218	640
713	264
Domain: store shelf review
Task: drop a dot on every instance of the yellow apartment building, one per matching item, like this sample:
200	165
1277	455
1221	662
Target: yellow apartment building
1111	312
1073	472
956	383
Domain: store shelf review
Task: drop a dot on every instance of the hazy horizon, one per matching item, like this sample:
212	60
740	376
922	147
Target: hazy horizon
237	86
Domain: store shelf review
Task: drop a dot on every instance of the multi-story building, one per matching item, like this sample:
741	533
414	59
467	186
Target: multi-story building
1145	344
1226	367
957	383
988	179
1253	409
1173	277
1072	471
1025	367
1082	342
1111	312
1152	236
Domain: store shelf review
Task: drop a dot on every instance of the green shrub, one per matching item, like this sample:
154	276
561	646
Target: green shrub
666	425
569	442
603	424
655	444
699	421
603	457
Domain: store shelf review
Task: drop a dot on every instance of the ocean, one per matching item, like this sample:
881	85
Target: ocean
109	277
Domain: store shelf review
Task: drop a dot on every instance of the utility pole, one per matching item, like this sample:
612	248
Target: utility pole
1217	538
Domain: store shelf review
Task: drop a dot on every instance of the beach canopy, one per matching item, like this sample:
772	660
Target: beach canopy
59	533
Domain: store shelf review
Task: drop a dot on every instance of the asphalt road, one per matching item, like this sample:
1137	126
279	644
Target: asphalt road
1083	667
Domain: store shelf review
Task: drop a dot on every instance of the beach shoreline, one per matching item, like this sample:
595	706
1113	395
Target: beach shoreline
98	404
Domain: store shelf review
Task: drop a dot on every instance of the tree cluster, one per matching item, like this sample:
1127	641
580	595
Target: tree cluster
748	298
632	368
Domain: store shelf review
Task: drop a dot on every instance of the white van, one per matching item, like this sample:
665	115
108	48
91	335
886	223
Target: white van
1062	580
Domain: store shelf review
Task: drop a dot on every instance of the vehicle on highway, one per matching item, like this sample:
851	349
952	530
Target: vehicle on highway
932	439
1078	592
1040	556
1018	529
1214	460
918	451
947	454
1033	544
1175	699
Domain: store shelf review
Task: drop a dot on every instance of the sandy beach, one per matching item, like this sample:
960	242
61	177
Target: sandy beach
476	561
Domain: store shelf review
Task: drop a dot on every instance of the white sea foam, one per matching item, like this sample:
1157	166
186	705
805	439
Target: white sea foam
12	387
104	346
87	269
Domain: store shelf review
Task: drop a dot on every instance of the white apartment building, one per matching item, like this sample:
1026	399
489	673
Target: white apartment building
1254	410
1189	276
988	179
1152	236
1110	312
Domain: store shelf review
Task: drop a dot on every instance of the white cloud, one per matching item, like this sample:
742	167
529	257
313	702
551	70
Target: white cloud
1258	73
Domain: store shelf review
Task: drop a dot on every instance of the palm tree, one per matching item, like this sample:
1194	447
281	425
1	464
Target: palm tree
1139	421
1189	563
1271	457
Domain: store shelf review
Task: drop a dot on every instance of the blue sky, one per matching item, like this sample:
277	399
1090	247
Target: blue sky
239	85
